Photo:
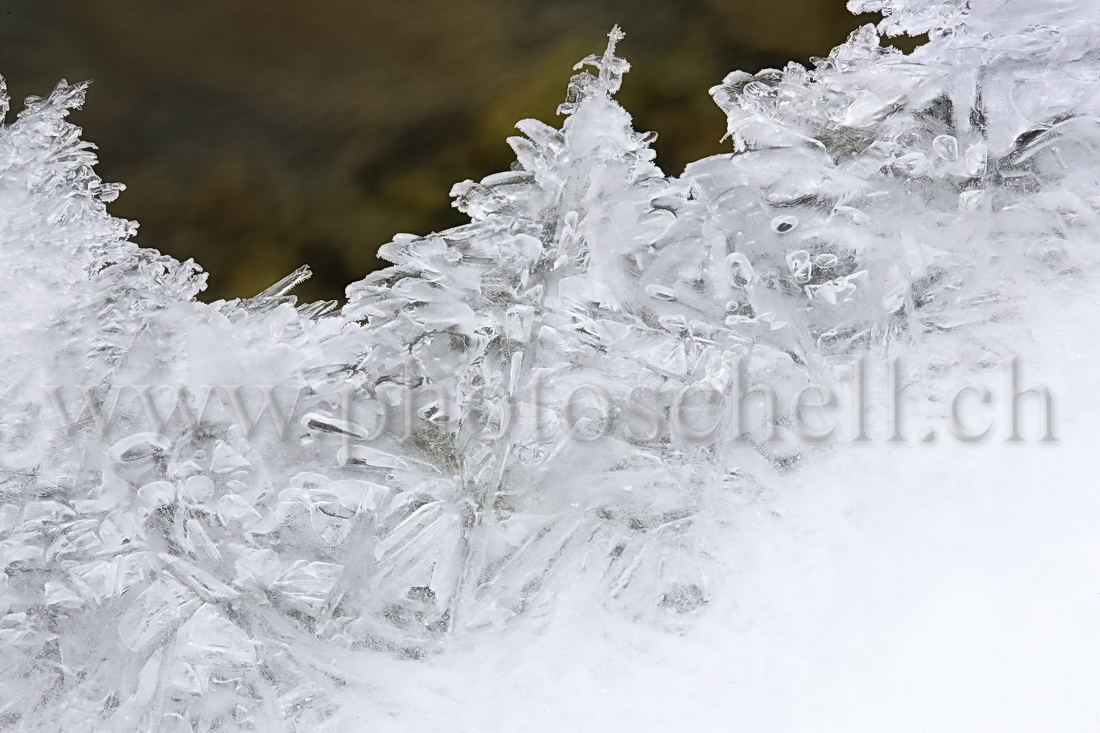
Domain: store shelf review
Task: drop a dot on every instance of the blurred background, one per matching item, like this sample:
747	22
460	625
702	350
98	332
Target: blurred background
256	137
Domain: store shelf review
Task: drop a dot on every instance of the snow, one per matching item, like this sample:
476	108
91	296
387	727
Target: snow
886	587
561	522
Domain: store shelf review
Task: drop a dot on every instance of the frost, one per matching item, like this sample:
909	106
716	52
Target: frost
205	571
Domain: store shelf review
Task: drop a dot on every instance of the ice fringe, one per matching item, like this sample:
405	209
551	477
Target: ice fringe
197	578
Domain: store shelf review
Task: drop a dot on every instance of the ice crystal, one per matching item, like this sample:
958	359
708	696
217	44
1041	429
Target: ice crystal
201	571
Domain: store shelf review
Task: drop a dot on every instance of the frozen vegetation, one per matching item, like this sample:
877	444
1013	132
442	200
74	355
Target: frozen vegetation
562	525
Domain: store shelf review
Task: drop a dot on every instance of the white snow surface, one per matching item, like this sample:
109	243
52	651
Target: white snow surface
885	588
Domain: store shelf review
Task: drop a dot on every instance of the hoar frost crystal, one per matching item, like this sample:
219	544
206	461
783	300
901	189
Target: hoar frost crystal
200	572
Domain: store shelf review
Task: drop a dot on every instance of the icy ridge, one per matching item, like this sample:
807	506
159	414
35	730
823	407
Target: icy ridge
205	573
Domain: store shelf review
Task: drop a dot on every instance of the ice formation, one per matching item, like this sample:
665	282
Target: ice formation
200	572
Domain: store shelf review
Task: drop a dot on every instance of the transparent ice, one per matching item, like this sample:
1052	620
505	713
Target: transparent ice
198	575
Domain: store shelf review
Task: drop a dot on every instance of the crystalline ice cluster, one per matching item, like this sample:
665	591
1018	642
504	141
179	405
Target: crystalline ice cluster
167	562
